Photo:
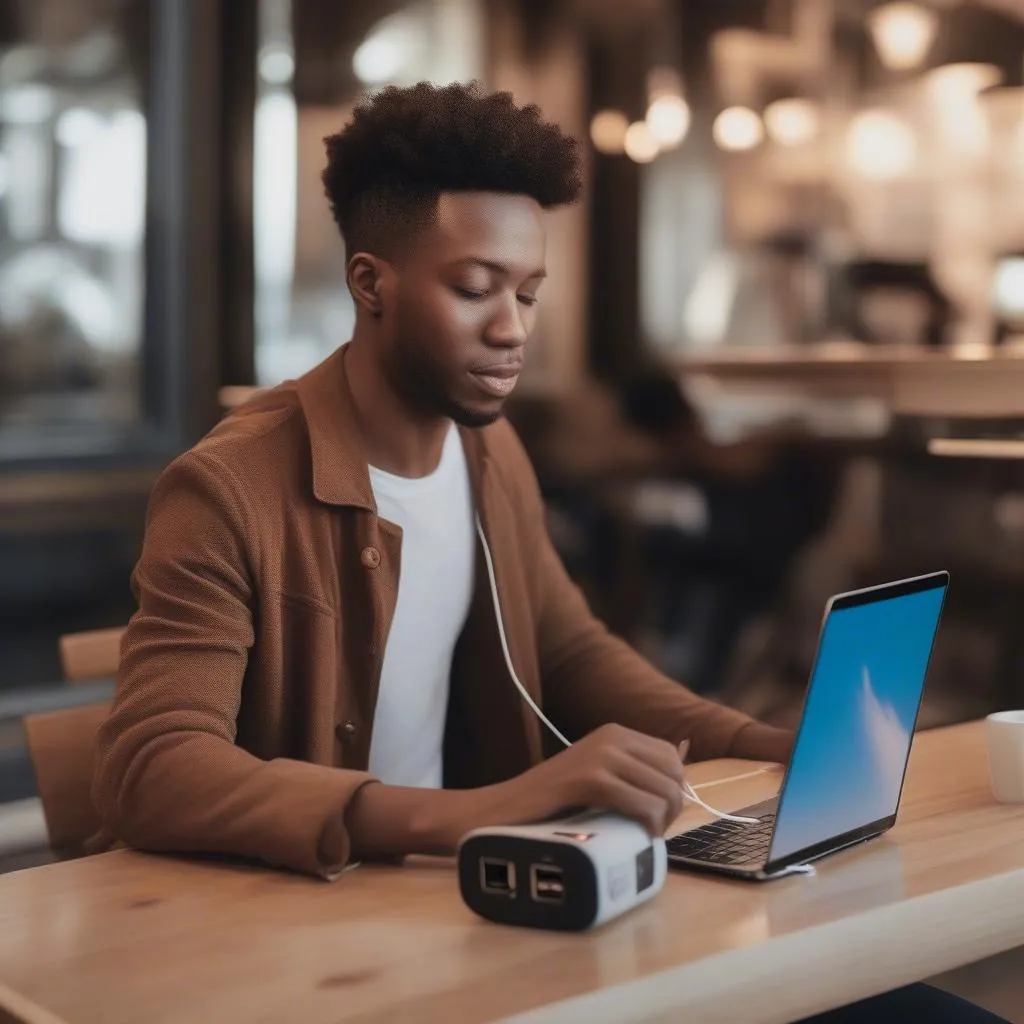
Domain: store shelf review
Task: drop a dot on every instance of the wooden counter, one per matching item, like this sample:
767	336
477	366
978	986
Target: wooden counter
909	381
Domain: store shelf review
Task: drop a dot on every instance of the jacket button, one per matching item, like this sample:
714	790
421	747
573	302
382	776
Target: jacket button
370	557
346	729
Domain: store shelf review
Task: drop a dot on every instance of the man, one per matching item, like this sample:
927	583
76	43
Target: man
316	649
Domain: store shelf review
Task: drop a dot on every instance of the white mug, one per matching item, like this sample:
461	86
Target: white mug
1006	755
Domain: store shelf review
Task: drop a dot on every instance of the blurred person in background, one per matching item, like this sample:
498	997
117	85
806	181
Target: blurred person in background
765	496
653	402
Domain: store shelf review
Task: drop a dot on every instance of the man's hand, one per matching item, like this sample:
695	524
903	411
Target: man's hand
613	768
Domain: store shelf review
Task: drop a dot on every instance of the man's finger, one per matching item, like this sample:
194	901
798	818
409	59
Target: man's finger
657	753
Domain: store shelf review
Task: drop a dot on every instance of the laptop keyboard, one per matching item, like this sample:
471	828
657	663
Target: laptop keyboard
726	842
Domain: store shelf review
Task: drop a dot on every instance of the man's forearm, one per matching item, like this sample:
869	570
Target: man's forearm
393	821
760	742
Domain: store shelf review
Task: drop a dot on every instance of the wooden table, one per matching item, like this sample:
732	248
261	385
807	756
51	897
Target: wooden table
127	937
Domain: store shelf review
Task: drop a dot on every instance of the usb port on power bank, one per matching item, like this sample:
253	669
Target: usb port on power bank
498	876
546	883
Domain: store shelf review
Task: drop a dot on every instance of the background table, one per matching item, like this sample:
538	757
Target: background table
128	937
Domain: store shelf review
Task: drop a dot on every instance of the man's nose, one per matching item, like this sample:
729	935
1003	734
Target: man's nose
507	329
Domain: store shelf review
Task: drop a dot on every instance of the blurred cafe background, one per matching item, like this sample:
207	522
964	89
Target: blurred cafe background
780	352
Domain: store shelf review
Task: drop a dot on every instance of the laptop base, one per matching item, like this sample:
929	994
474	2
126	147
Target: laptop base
762	872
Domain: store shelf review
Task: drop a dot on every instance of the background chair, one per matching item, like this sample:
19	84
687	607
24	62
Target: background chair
62	743
90	655
62	748
16	1009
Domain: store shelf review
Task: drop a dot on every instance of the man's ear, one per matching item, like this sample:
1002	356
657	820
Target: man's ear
368	282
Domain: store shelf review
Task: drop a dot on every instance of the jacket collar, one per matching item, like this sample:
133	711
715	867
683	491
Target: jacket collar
341	474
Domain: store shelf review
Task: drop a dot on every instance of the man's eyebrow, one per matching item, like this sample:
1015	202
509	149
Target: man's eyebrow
499	268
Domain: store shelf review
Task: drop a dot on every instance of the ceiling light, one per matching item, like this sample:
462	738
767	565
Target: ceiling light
737	128
277	64
791	122
641	146
668	119
903	33
880	146
387	50
608	131
377	60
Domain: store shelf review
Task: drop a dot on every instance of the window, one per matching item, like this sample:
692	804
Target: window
73	155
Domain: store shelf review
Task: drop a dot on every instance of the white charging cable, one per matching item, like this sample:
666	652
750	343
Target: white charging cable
688	790
690	794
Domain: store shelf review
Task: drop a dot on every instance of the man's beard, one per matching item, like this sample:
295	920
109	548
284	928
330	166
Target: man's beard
417	379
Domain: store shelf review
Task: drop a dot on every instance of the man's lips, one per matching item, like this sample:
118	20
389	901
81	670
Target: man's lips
502	371
498	380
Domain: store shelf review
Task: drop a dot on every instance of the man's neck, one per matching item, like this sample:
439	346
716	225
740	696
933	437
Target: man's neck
395	439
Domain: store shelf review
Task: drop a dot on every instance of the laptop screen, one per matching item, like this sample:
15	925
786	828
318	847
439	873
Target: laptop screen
847	767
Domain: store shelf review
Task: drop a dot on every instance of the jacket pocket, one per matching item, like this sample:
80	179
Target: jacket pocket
309	670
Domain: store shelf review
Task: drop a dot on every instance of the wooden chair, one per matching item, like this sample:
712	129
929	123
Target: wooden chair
16	1009
231	396
90	655
62	748
61	743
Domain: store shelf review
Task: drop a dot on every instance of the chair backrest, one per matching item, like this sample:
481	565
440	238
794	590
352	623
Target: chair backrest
90	655
61	745
231	396
16	1009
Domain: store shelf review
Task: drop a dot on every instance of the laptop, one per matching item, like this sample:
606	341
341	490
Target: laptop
849	760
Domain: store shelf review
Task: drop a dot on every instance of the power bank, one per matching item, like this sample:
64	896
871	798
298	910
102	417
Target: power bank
566	875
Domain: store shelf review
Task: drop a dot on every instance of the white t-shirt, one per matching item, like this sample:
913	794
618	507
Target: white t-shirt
435	588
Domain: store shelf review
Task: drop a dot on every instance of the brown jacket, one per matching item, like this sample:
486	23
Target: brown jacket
266	587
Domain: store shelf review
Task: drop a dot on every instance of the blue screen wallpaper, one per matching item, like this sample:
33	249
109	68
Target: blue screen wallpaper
848	763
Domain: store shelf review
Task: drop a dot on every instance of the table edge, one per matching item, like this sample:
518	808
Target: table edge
885	940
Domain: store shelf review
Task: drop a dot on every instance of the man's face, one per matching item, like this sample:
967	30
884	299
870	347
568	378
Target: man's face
465	303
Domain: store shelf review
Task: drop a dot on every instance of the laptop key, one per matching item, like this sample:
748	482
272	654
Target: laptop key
725	842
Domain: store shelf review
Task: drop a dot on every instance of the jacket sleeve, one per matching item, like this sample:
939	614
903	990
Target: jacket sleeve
590	677
168	774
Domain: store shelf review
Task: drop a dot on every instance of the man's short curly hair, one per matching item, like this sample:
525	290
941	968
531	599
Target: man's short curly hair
405	146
